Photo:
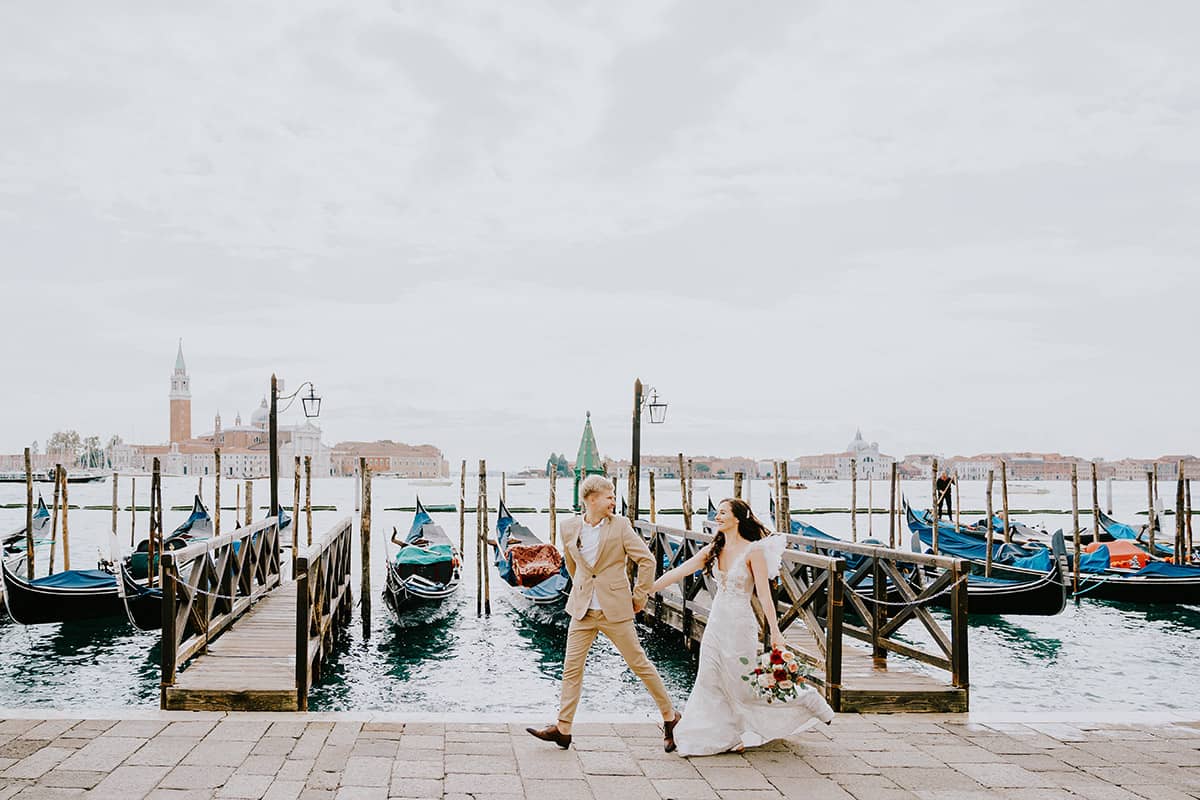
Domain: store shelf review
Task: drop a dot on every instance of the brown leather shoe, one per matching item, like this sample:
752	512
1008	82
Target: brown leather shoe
669	733
551	733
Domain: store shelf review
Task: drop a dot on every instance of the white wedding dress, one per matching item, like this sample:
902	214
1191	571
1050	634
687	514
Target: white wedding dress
723	712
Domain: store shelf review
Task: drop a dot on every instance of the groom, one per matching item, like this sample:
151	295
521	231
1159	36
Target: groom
596	546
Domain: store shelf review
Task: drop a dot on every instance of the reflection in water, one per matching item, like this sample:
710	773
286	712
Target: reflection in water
1022	642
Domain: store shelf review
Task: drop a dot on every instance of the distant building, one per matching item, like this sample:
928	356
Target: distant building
868	463
587	460
395	458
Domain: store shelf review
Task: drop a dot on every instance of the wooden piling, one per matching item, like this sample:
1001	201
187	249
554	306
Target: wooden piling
364	535
237	501
114	511
988	535
1075	528
1181	554
554	505
653	509
462	511
778	507
483	535
1108	493
631	493
785	499
504	487
691	499
738	477
683	495
54	518
853	499
892	508
150	554
66	532
1004	499
250	503
957	504
1095	505
870	506
217	493
936	506
1150	505
28	515
132	511
1187	492
295	516
308	499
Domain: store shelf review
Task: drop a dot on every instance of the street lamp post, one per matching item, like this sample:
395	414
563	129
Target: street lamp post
658	414
312	408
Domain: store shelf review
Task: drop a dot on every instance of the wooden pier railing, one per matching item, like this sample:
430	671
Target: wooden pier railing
814	594
207	585
323	603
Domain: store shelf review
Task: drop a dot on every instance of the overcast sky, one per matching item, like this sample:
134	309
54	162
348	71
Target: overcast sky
961	226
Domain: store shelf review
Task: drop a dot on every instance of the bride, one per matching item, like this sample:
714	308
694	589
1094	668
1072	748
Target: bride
723	713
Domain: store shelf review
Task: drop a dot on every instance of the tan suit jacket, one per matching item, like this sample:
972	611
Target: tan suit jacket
607	577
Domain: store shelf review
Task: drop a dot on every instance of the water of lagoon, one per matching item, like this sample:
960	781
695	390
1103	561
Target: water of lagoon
1096	656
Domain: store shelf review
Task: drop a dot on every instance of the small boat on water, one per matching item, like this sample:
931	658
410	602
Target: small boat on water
74	594
198	525
14	541
424	573
536	570
47	476
1149	581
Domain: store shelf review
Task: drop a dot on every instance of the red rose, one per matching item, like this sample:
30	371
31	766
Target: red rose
776	657
781	675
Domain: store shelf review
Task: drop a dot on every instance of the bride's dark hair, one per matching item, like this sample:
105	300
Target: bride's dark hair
749	528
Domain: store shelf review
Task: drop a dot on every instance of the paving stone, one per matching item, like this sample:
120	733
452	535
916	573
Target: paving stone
322	779
191	776
20	748
843	763
919	779
274	746
899	758
625	787
362	793
49	729
603	743
367	771
963	753
195	729
684	788
219	753
1007	776
128	781
292	729
548	764
822	788
604	762
309	744
251	787
421	742
478	748
383	748
103	754
734	777
488	764
48	793
404	768
422	788
317	794
70	779
240	730
677	769
333	757
284	790
479	783
38	763
163	751
180	794
871	787
136	728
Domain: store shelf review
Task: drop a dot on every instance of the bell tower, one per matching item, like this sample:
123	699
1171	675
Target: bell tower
181	400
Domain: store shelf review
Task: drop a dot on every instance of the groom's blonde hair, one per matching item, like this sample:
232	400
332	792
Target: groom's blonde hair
593	484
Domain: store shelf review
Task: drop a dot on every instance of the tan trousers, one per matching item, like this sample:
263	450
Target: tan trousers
623	635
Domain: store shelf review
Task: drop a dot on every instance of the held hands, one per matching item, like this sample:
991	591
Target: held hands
638	605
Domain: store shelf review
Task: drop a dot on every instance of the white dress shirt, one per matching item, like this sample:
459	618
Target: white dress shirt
589	548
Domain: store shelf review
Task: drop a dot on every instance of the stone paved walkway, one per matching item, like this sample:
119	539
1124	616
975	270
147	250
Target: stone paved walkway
352	757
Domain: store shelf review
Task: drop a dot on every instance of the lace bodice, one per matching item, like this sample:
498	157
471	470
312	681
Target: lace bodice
738	580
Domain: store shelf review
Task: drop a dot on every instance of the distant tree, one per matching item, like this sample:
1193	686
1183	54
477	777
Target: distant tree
720	472
704	469
65	445
93	454
564	468
551	464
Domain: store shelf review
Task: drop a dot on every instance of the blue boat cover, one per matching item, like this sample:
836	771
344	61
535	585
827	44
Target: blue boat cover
1095	561
549	588
1161	569
199	514
504	523
1039	561
420	520
1119	530
77	579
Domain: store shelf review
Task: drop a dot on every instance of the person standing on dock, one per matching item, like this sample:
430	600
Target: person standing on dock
597	545
944	484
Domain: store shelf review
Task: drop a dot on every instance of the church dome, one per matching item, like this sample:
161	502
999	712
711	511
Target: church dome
261	415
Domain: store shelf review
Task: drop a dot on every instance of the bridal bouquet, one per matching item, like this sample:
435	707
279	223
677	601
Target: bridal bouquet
776	676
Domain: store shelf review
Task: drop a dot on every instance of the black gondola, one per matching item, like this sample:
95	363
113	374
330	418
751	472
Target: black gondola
550	592
424	573
14	541
143	604
65	596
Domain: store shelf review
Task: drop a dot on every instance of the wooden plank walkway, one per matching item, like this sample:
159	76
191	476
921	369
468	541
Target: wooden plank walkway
249	667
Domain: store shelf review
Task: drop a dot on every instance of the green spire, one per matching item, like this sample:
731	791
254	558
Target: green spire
179	365
588	462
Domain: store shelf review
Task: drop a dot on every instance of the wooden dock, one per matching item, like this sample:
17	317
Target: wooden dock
236	637
250	667
849	651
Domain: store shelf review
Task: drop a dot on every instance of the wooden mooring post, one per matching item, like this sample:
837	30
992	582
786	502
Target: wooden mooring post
53	518
870	506
853	500
737	484
483	536
553	504
132	511
1075	528
683	495
1181	553
691	499
295	516
250	503
66	530
1004	499
785	499
1187	491
1095	508
990	525
364	535
28	515
653	510
936	506
462	511
892	507
114	509
308	500
1150	507
217	494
